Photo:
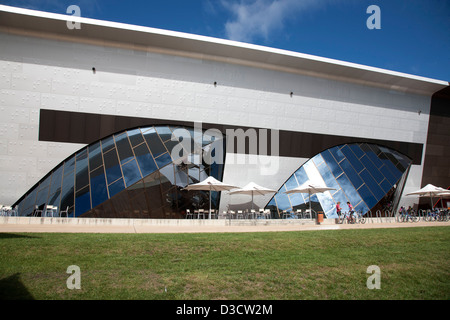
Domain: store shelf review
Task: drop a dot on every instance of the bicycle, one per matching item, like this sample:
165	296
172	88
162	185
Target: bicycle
360	218
347	218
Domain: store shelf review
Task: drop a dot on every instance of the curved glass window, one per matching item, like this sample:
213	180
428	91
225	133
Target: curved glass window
137	173
363	174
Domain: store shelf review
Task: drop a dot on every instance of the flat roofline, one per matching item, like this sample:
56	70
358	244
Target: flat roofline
106	33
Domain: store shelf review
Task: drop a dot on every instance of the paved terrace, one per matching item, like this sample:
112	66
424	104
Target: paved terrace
96	225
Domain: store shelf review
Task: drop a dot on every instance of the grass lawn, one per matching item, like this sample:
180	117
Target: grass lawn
414	264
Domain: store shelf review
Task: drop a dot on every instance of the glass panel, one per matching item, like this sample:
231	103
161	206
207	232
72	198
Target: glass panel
170	145
282	200
112	166
297	201
376	174
41	197
167	177
181	177
340	196
82	177
131	173
95	156
164	133
356	150
67	192
56	180
135	137
367	196
124	148
361	207
351	173
28	202
54	200
387	173
318	160
154	142
393	169
301	176
385	185
116	187
337	153
145	160
332	164
163	160
69	165
372	154
46	183
372	184
357	165
153	190
107	144
82	201
349	189
328	177
291	183
98	187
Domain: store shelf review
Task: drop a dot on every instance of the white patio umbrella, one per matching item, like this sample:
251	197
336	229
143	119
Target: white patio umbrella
210	184
252	189
428	191
310	188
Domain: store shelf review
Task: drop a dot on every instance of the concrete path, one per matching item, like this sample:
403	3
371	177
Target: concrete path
182	226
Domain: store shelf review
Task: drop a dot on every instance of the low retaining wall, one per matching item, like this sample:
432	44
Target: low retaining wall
155	222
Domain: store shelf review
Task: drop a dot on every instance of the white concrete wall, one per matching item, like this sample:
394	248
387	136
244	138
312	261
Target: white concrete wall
47	74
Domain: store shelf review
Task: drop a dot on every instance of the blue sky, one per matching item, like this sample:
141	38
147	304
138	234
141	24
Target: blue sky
414	37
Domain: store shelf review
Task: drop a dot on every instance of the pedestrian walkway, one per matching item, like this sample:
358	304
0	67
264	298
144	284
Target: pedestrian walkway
91	225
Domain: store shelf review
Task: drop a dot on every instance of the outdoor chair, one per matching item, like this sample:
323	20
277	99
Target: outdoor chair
222	215
240	214
201	213
231	214
50	211
299	213
38	211
286	214
189	214
213	214
260	214
66	212
307	214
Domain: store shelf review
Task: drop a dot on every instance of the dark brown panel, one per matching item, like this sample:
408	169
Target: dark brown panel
77	127
437	164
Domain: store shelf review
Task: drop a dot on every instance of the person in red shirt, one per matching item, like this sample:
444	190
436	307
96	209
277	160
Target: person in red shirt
338	208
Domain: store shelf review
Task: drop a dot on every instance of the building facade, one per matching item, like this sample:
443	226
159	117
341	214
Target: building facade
65	93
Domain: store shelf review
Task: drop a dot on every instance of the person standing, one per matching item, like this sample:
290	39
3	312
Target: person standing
350	211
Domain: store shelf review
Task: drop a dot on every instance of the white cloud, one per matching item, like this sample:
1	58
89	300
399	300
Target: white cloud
253	19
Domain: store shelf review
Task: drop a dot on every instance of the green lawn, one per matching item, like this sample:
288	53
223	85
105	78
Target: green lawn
414	264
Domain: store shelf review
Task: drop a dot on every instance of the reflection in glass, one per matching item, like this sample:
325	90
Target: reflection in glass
123	148
128	174
363	174
131	172
112	166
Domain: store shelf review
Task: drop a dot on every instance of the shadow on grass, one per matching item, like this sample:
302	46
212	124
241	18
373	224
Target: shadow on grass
11	288
14	236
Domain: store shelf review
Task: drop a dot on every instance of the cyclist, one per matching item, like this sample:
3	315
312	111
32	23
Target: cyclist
350	211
